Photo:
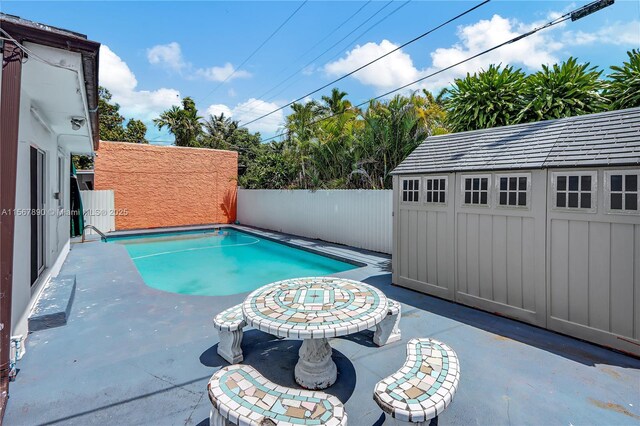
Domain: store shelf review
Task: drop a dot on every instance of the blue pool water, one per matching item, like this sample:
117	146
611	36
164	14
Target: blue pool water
206	263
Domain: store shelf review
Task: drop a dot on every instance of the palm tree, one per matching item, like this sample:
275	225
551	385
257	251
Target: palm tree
431	112
332	149
392	131
563	90
623	88
490	98
301	128
183	122
336	103
218	131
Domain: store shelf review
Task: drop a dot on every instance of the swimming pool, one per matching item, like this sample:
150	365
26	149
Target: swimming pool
220	263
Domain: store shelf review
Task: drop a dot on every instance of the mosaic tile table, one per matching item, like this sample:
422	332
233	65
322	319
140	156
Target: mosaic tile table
314	309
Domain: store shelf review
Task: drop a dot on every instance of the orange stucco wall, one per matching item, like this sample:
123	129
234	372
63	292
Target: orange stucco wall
158	186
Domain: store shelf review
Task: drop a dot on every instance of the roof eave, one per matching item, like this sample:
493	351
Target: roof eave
89	50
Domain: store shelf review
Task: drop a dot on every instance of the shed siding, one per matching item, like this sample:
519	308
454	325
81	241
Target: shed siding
576	272
424	247
500	259
594	278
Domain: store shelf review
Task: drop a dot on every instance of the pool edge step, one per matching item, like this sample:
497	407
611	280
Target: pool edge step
54	304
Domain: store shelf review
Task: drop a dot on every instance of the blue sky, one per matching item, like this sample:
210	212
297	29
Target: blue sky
155	53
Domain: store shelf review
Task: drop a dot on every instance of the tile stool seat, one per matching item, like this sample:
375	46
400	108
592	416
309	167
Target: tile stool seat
240	395
230	323
424	386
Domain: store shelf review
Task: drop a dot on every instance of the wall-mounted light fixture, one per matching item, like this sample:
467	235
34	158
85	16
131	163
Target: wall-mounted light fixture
77	122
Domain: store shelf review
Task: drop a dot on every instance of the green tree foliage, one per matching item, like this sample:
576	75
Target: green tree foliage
82	162
563	90
112	127
489	98
135	131
274	168
392	130
498	97
183	122
329	144
220	132
623	88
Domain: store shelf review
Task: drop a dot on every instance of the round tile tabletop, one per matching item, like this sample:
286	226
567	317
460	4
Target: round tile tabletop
315	308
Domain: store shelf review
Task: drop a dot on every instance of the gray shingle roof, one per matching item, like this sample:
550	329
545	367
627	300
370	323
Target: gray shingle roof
608	138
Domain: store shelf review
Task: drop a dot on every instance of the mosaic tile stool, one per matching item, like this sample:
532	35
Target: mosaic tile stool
388	330
424	386
242	396
230	323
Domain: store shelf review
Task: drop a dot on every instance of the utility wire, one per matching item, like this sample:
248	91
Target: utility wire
340	52
556	21
256	50
305	54
296	72
373	61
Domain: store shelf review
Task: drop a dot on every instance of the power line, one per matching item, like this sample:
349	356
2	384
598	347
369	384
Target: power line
374	60
256	50
549	24
305	54
302	68
340	52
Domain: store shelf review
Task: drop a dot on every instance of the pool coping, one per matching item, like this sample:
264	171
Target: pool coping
327	249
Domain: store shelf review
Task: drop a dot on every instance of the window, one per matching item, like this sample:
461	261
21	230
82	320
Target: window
476	190
411	190
575	190
513	190
622	188
436	189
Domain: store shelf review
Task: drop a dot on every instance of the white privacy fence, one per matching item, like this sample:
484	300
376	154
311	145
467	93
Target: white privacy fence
99	210
358	218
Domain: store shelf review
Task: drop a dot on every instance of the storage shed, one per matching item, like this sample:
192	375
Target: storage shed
538	222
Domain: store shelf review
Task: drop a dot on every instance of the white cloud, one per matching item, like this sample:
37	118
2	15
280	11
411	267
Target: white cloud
250	110
168	55
393	71
528	53
226	72
617	34
218	109
115	75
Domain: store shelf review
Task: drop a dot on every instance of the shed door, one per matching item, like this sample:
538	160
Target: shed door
423	233
500	243
594	256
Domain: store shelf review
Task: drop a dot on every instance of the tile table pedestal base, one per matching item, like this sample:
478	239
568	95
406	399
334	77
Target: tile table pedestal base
229	346
315	368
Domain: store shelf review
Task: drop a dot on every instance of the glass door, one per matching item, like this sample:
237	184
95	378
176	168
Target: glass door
37	161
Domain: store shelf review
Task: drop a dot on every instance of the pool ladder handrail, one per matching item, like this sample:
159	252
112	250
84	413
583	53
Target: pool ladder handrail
103	237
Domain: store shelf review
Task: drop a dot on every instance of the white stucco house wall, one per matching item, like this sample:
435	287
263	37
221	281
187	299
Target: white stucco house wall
48	98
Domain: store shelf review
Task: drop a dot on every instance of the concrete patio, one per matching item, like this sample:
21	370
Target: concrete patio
134	355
